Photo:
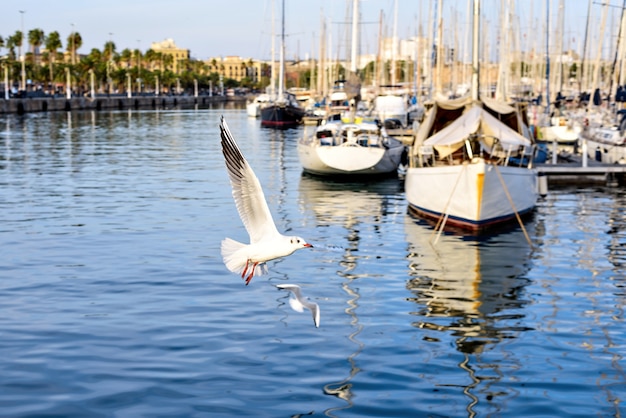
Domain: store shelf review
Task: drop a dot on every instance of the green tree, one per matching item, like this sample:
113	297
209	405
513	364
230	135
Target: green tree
35	39
74	42
53	43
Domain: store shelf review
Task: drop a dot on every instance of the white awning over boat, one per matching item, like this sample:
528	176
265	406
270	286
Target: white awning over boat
476	121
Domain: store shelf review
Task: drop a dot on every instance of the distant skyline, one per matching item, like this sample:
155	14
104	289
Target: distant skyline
244	27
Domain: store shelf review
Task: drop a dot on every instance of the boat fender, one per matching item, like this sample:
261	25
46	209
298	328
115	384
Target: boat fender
542	184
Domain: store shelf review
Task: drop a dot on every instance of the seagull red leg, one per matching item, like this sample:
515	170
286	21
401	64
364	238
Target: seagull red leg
245	270
251	273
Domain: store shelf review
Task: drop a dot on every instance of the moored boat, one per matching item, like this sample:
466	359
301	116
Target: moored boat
283	112
607	143
361	148
471	164
474	173
563	131
253	108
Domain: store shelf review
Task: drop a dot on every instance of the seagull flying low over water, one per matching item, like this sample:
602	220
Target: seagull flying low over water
299	302
266	243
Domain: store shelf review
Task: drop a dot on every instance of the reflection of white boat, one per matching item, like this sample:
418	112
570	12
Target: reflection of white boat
339	149
253	108
468	281
345	204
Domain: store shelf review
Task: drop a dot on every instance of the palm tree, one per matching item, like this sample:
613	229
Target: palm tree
18	39
74	42
53	43
35	39
126	57
108	54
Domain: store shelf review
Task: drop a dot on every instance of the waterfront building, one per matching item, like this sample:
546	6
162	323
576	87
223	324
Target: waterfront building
168	47
235	67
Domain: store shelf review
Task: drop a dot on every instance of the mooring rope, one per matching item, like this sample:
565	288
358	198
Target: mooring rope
508	195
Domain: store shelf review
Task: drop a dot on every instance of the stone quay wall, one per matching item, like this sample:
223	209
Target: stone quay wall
50	104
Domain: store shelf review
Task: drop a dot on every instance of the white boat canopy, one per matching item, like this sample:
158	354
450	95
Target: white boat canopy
475	120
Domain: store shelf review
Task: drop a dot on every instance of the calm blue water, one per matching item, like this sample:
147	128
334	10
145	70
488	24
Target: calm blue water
115	301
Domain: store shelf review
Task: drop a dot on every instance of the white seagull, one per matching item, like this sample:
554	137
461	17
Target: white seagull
299	302
266	243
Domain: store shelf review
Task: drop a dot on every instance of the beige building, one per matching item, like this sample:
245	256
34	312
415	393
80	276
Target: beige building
168	47
236	68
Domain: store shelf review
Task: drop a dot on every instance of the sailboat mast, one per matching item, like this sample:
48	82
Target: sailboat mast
547	57
475	44
394	46
281	70
355	31
439	84
273	68
617	49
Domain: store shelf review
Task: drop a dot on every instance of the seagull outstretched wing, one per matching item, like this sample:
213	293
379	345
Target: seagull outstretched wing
247	191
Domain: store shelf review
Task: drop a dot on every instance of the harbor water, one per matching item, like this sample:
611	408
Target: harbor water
115	300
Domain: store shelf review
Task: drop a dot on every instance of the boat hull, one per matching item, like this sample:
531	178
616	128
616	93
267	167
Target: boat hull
253	110
353	160
606	145
280	116
474	196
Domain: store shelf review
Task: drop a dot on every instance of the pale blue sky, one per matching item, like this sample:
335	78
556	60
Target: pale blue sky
243	27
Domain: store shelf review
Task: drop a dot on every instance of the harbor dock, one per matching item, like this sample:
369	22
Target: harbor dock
574	173
56	103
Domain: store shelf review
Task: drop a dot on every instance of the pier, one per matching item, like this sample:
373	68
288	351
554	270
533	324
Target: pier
576	174
56	103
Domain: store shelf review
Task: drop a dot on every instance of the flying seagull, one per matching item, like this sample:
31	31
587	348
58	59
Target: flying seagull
299	302
266	243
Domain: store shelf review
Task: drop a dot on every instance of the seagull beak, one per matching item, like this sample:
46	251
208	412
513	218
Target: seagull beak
308	245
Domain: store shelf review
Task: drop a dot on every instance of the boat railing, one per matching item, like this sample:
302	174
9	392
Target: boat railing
499	155
426	155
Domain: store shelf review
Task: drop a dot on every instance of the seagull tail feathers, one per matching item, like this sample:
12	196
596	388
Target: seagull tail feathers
236	260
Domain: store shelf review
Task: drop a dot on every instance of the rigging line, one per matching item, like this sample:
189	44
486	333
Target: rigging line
517	216
442	220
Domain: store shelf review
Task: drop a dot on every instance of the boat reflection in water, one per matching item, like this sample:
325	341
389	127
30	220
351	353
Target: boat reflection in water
469	291
348	206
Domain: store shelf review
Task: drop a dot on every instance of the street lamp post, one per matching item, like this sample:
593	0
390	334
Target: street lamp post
6	81
138	67
92	82
23	55
68	85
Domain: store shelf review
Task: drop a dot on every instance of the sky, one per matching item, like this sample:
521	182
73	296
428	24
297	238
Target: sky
213	28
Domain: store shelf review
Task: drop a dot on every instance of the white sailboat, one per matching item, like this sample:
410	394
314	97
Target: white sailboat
253	107
282	111
606	142
337	148
350	145
471	163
